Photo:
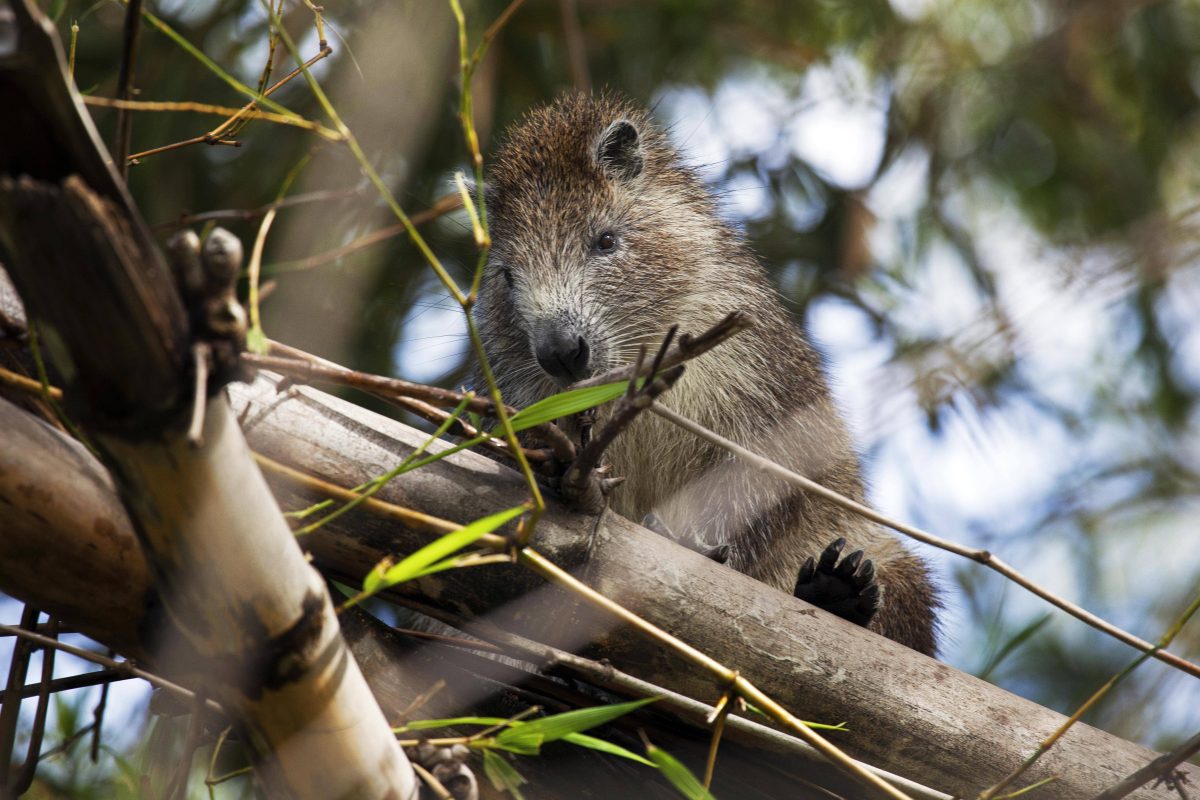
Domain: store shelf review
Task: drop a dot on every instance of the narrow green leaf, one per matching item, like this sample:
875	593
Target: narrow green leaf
565	404
525	744
1018	639
502	774
556	726
592	743
680	776
436	551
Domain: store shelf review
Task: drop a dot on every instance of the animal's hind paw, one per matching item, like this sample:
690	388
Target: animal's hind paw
847	589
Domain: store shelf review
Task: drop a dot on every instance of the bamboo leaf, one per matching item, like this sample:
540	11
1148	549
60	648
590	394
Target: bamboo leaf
525	744
565	404
556	726
680	776
592	743
502	774
435	551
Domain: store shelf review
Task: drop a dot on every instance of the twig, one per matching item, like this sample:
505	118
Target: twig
129	43
443	205
166	148
433	783
982	556
81	681
208	108
687	348
405	516
28	385
1158	768
10	713
579	482
37	730
717	718
98	716
105	661
238	121
254	213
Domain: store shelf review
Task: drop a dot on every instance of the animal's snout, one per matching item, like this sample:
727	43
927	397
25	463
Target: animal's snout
563	354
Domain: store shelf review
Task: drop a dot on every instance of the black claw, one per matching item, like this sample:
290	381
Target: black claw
830	555
847	588
652	522
849	565
719	553
807	572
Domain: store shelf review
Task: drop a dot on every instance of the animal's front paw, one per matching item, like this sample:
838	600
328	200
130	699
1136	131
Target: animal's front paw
847	589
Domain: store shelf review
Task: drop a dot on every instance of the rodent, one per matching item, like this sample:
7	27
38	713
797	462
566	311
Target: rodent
602	238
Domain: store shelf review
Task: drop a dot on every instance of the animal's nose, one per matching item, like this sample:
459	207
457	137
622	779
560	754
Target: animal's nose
563	355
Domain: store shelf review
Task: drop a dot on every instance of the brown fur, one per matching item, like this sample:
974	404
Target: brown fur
549	197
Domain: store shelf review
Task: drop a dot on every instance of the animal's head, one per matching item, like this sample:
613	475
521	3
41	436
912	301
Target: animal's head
600	241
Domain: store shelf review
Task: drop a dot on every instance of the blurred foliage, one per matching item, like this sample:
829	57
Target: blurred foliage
1011	218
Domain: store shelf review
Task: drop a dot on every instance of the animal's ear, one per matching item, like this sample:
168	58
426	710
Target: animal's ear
619	151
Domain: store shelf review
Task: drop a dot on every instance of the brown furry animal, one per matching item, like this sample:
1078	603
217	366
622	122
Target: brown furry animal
602	239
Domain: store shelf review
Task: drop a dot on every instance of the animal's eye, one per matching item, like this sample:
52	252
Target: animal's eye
507	273
606	242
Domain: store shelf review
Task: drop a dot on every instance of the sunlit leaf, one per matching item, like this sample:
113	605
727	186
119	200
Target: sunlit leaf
565	404
680	776
556	726
413	565
592	743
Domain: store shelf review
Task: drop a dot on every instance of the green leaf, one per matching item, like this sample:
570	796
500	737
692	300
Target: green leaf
592	743
1012	644
502	774
680	776
556	726
435	551
565	404
525	744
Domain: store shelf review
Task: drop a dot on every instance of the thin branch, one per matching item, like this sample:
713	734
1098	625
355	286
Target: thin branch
255	213
405	516
18	667
28	385
129	43
208	108
687	348
443	205
579	482
81	681
38	730
105	661
1158	768
433	783
982	556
